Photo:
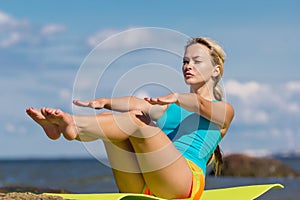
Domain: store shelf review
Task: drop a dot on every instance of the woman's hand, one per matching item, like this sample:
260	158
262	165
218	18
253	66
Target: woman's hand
163	100
96	104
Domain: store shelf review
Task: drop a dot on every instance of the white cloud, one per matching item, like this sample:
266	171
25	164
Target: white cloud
65	94
6	19
11	30
257	152
245	90
251	116
10	128
8	22
293	86
262	103
100	36
15	31
249	99
128	39
135	38
51	29
293	107
11	39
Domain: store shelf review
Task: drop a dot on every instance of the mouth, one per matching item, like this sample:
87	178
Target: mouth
188	75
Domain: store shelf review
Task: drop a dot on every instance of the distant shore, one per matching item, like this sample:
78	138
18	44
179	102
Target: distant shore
241	165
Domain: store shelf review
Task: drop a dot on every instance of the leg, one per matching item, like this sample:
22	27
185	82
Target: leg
165	171
120	154
124	165
91	127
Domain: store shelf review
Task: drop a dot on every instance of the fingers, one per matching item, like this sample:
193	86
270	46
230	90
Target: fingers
151	100
156	101
81	103
90	103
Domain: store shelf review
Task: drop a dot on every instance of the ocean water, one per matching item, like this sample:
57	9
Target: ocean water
91	176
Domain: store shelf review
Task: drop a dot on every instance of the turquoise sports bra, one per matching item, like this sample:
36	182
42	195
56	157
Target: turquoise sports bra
195	137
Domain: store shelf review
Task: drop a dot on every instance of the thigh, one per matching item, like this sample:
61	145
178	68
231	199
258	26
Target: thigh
165	170
125	166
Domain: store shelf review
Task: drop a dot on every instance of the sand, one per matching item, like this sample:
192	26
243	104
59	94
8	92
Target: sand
29	193
27	196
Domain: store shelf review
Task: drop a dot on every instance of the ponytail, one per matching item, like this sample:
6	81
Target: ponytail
218	93
218	161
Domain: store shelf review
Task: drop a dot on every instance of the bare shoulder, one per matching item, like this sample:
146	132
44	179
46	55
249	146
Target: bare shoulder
229	108
225	105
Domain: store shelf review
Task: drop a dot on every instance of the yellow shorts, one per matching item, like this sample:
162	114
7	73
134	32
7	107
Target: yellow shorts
197	184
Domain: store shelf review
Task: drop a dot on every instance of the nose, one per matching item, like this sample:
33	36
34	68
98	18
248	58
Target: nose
187	66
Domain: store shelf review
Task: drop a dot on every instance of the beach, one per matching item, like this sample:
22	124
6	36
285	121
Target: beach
28	193
27	196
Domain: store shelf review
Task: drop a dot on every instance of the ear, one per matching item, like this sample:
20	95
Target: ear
216	71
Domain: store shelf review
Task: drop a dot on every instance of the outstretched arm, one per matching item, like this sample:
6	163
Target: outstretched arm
124	104
219	112
120	104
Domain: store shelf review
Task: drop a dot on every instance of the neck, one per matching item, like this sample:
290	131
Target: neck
205	90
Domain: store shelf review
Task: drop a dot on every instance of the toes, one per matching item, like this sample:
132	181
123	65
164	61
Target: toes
58	112
43	111
48	111
32	112
29	110
52	111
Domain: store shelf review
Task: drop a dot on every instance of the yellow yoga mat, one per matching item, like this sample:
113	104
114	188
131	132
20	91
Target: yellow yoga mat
241	193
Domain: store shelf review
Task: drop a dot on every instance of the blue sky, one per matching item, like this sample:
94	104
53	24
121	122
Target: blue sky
43	46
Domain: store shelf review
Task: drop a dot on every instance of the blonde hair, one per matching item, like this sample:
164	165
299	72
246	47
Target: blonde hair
217	58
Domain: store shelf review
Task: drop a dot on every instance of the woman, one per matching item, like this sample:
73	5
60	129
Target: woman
167	158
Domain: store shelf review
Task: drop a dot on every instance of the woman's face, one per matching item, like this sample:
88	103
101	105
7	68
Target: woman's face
197	66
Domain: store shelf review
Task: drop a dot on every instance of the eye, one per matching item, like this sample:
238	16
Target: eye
197	61
185	62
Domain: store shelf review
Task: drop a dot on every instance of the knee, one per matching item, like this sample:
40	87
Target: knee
140	118
145	128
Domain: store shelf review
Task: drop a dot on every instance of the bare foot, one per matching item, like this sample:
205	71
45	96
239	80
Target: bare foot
50	129
63	120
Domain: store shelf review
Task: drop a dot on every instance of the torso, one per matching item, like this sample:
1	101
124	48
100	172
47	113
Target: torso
194	136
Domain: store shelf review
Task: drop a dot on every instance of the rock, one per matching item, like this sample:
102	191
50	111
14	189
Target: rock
246	166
